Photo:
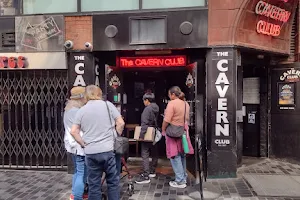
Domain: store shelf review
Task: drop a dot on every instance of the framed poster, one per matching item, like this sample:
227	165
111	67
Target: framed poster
286	94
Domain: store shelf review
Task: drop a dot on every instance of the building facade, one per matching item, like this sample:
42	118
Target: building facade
236	61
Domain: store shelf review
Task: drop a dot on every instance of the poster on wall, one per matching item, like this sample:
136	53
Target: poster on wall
40	33
286	95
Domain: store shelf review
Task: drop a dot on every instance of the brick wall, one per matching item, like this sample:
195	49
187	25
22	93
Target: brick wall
79	29
233	22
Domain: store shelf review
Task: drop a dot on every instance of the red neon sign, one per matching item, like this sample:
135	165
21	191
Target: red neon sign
158	61
12	62
267	28
271	11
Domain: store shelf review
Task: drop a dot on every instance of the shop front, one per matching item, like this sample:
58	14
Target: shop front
34	86
147	51
249	39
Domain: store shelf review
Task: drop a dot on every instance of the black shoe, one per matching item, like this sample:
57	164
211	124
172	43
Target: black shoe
143	179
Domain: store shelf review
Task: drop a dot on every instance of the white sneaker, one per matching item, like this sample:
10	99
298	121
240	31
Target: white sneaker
152	175
177	185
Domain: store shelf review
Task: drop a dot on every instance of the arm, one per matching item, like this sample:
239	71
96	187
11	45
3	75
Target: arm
169	112
75	132
187	118
144	123
117	117
164	126
120	125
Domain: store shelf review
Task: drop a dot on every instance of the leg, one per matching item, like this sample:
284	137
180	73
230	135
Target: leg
178	169
145	151
80	178
118	163
112	179
154	155
74	173
183	160
94	173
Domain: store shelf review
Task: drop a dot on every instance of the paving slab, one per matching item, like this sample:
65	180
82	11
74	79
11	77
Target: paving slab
274	185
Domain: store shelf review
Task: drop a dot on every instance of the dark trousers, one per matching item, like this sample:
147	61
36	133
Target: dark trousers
96	165
147	148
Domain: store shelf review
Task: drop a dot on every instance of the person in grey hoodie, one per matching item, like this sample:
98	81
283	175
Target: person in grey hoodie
148	119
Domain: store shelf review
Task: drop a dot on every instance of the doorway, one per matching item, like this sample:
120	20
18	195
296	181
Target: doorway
138	82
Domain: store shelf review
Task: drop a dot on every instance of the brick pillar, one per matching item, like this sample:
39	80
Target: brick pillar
79	29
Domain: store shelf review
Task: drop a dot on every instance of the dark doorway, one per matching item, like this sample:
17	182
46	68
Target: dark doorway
137	82
251	107
251	137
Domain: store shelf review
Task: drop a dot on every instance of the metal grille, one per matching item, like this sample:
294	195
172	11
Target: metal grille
293	43
32	105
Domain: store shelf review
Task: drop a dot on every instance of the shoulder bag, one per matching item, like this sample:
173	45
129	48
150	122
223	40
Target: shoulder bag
157	132
121	144
176	131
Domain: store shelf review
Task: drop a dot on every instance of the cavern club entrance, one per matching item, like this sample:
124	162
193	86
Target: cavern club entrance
134	73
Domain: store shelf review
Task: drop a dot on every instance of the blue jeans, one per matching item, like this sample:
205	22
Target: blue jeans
179	167
96	165
79	177
118	163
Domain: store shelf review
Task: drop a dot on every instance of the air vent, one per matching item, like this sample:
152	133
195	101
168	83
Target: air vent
8	40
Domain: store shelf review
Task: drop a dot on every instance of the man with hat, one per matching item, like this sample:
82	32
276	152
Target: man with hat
75	102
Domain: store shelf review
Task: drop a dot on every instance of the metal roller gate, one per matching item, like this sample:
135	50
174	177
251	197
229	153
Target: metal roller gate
31	119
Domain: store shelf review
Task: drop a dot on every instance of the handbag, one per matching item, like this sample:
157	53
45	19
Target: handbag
157	132
121	144
176	131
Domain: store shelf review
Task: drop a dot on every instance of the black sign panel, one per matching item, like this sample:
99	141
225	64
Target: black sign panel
174	29
221	99
81	69
7	37
39	33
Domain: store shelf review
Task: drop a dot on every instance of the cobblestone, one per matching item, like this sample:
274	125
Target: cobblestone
40	185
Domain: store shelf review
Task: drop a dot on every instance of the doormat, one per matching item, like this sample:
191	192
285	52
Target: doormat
274	185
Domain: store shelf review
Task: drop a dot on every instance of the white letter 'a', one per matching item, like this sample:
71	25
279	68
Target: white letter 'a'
222	78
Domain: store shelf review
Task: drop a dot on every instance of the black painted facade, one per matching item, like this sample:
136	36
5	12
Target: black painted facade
284	135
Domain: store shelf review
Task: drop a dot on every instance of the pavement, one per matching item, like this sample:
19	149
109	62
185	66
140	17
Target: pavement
258	179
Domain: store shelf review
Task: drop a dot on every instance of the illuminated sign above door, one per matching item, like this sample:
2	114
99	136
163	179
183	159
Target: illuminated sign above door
279	15
155	61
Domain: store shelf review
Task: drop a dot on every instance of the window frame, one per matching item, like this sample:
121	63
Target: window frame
19	10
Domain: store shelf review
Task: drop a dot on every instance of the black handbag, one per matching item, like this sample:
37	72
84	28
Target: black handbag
121	144
176	131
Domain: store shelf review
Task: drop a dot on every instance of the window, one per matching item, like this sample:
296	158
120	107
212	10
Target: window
154	4
49	6
148	31
109	5
8	7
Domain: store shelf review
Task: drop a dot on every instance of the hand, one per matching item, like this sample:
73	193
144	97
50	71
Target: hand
83	144
163	133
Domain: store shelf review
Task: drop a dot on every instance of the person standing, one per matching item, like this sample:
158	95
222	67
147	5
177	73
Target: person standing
174	115
148	119
76	101
98	142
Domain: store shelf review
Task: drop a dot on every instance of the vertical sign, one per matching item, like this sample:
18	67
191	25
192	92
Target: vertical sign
222	99
81	69
221	112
